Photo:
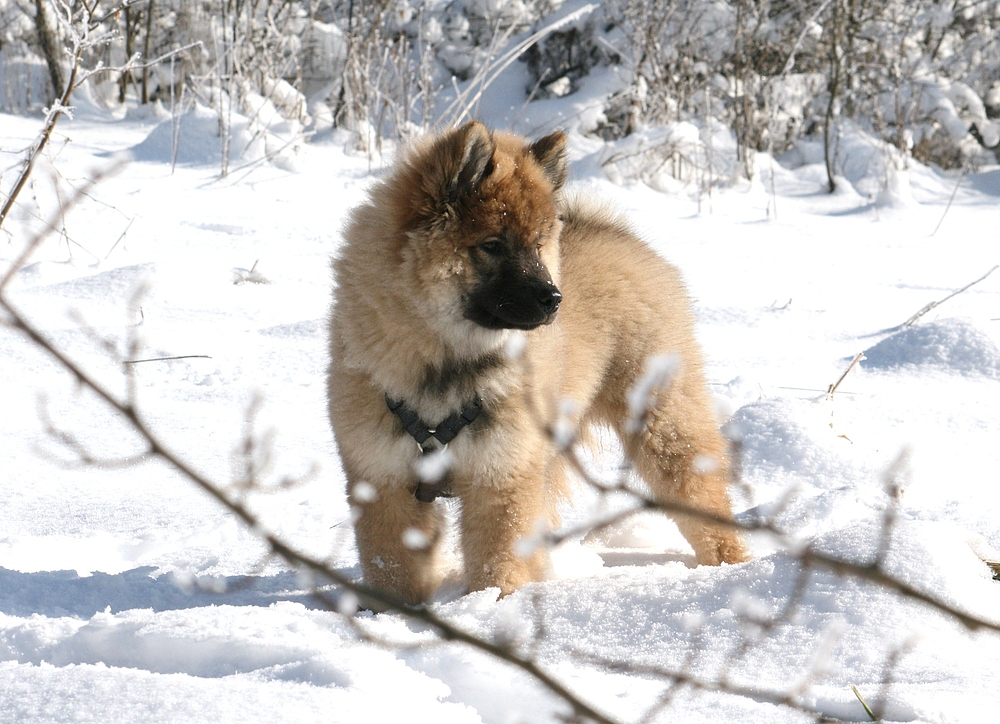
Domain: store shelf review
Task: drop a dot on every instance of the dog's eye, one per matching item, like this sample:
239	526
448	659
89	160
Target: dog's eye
493	247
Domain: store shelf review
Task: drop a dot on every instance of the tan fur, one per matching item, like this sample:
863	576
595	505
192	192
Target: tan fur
398	330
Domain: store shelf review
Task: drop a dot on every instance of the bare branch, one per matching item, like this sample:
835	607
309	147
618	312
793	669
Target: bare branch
54	220
51	118
295	558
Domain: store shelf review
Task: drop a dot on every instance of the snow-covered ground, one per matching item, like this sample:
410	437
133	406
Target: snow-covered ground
127	595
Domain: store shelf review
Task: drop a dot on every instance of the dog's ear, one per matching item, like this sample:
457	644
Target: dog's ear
550	152
471	154
441	174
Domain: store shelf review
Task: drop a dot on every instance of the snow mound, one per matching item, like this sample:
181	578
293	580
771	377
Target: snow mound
196	139
794	463
794	437
953	344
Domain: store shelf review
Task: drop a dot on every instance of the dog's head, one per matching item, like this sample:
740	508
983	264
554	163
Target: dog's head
482	228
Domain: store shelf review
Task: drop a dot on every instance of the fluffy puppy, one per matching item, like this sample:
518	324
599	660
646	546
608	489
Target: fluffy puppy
466	243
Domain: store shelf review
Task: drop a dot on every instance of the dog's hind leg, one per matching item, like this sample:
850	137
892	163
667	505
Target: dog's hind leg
681	455
398	540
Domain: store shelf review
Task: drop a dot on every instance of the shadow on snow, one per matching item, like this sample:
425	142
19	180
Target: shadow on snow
64	593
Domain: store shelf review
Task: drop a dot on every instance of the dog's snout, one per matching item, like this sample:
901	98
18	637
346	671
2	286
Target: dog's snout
549	298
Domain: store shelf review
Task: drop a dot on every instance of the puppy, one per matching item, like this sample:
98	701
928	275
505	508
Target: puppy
475	307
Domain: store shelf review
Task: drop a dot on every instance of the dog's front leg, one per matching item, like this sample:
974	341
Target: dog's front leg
503	523
398	540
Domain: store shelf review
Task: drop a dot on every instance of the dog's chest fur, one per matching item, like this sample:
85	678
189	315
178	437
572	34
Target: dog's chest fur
445	388
460	376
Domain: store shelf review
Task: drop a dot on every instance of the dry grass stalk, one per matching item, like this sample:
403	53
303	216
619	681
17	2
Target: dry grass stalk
933	305
854	362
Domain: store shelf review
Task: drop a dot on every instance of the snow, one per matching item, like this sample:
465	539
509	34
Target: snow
958	345
127	594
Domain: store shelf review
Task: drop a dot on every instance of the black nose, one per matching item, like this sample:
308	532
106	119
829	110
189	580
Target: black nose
548	299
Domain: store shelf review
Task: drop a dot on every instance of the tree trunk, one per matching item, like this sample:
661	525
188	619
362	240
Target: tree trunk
49	42
129	49
833	85
145	52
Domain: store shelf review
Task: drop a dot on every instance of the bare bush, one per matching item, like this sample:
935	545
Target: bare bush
915	75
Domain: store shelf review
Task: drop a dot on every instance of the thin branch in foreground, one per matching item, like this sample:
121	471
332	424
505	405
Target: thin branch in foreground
295	558
674	687
82	456
807	555
232	500
682	678
878	576
894	480
54	220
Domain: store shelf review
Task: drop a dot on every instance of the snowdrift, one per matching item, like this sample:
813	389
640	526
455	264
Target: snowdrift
956	345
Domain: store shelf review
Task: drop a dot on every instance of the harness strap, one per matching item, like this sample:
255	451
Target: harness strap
444	433
412	423
449	428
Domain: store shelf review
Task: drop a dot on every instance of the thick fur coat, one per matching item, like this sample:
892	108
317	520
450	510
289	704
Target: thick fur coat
467	242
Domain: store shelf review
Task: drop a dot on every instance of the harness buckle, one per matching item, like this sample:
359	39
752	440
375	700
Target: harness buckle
442	434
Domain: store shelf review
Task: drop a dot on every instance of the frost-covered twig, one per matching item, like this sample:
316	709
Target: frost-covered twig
873	572
52	117
233	500
80	43
134	64
701	683
322	571
158	448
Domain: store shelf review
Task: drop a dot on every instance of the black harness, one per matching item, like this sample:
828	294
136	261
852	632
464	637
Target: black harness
444	432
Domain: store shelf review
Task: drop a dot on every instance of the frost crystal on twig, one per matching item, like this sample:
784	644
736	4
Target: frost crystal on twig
415	540
432	467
